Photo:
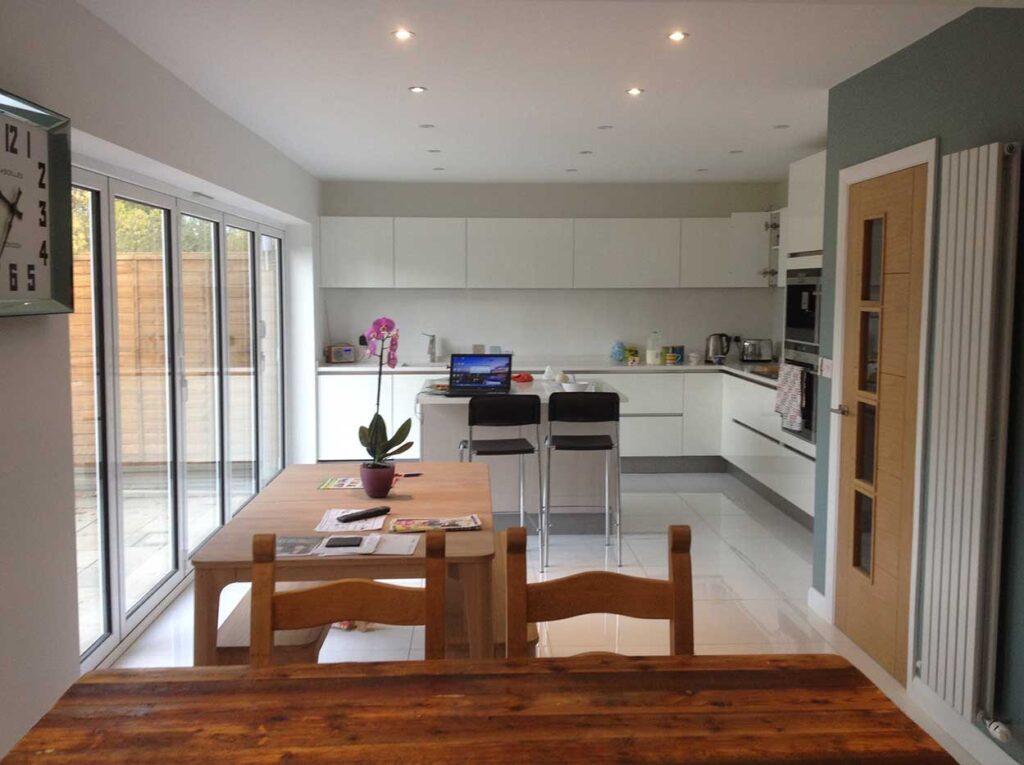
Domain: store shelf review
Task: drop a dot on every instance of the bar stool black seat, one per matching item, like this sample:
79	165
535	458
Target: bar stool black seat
597	407
505	411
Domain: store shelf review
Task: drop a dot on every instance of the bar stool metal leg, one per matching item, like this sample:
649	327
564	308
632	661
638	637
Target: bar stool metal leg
618	502
607	498
546	516
522	487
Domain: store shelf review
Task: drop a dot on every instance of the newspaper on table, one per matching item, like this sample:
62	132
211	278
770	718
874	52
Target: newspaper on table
334	521
415	525
288	546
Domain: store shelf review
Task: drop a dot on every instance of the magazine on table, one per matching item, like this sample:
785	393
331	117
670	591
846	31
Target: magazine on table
288	546
416	525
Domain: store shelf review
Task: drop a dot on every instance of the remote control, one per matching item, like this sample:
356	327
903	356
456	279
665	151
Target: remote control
362	515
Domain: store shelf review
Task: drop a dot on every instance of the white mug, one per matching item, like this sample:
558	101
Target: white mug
694	359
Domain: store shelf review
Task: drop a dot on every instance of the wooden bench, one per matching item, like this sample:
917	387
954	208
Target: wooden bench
290	646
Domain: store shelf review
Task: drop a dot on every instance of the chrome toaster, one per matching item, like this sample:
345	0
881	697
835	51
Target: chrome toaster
757	350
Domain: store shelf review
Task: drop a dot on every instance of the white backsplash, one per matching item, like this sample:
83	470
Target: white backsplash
550	323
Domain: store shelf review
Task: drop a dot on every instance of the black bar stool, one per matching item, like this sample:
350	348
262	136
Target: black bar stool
584	407
506	411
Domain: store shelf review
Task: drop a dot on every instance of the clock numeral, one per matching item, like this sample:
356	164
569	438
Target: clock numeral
44	254
28	144
42	175
11	139
30	277
12	277
42	213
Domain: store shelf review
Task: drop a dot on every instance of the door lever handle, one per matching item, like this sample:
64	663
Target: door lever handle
842	409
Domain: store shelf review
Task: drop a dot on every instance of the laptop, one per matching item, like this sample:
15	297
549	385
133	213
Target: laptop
476	374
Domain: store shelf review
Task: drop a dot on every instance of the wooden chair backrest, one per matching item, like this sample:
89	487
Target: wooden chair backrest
600	592
347	599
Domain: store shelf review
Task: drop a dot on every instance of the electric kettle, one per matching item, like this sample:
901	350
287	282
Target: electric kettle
717	345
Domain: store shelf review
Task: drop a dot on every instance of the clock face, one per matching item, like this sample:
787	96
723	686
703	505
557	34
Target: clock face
25	213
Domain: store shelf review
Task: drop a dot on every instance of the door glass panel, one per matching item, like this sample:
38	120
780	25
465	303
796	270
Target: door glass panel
271	443
874	246
146	480
866	421
86	430
241	382
869	324
201	443
863	523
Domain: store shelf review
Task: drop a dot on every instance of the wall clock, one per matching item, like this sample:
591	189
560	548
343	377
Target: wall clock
35	209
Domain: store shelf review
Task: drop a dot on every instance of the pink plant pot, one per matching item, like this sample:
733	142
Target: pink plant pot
377	479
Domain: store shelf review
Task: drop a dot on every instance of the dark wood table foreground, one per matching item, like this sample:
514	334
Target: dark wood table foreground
595	709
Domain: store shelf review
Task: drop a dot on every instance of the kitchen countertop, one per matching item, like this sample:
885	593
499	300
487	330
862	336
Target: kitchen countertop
577	365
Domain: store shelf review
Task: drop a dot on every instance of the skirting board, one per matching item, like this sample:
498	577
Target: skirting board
819	604
781	503
709	464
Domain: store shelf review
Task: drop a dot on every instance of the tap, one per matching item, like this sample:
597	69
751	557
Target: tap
431	346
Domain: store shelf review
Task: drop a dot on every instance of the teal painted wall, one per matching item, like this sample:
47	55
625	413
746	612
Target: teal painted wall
962	84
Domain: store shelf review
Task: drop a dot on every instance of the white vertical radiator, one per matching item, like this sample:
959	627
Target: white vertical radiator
966	415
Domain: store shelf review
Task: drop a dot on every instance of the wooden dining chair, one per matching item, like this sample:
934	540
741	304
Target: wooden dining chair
347	599
600	592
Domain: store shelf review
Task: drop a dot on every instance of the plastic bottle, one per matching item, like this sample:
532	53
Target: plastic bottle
654	348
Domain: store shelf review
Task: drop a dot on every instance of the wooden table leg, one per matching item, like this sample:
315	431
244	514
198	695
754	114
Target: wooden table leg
476	583
208	584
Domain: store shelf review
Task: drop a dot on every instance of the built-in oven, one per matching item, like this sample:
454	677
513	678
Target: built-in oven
805	355
803	306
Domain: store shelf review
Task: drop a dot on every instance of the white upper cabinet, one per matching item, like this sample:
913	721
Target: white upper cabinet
750	254
803	220
626	252
705	245
430	252
357	252
725	252
520	252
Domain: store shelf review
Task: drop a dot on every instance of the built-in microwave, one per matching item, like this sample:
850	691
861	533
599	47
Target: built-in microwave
803	306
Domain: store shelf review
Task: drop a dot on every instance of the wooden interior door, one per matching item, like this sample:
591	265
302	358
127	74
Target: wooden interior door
885	259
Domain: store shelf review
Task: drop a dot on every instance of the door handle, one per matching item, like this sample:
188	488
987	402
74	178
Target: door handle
842	409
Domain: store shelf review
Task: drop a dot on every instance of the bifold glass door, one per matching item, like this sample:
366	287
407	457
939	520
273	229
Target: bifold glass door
177	390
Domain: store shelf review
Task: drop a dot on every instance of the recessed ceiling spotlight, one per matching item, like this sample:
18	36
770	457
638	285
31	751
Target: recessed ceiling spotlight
427	125
605	127
438	169
433	151
678	36
634	91
781	126
586	151
735	151
571	170
417	89
403	35
702	169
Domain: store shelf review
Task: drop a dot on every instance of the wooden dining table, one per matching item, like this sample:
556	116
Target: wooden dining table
594	709
293	504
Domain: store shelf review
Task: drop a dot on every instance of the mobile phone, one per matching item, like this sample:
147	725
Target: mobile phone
344	542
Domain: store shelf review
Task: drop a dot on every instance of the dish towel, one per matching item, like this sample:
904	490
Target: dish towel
789	396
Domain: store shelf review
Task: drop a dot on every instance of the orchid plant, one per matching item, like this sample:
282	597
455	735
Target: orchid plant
382	342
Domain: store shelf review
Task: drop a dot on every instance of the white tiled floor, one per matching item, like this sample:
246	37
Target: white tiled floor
751	573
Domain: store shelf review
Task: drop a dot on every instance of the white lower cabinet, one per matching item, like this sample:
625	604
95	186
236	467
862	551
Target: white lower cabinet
651	436
346	401
405	390
702	415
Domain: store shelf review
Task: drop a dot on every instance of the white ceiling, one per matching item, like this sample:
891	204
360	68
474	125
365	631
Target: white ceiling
517	88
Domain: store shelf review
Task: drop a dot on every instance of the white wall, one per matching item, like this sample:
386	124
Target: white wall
548	200
550	323
56	53
38	596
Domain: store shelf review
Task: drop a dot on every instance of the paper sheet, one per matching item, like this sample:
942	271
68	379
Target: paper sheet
333	522
397	544
368	546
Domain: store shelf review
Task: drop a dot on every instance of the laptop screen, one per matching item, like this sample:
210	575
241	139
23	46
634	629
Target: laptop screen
481	372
